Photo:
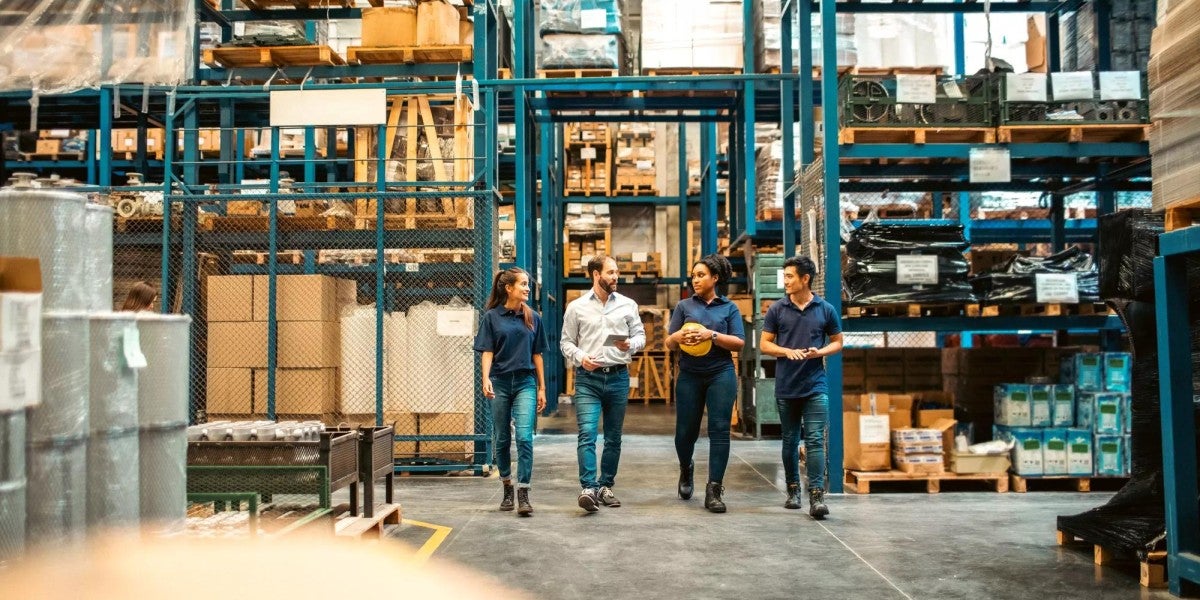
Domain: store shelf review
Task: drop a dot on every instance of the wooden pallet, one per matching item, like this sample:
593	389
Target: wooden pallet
1182	214
278	56
54	156
262	223
394	222
150	155
689	71
302	4
364	527
575	73
907	310
624	188
1081	484
595	190
1012	134
254	257
407	55
892	71
1036	309
1152	568
859	482
503	73
917	135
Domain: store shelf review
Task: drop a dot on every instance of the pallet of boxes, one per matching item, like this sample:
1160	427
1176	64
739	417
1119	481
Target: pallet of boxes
1174	94
636	171
588	232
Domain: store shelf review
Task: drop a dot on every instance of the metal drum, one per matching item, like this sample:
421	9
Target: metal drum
113	384
63	413
163	419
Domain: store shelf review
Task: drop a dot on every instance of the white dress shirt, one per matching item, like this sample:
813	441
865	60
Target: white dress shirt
588	323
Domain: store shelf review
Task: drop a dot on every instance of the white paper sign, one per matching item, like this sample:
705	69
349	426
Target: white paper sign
412	267
916	89
297	108
1062	288
873	429
1072	86
132	348
1025	87
916	269
779	278
952	90
455	323
639	257
633	382
595	18
991	165
1120	85
587	153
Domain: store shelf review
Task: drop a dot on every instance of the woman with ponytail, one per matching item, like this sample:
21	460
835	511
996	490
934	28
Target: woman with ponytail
708	328
511	343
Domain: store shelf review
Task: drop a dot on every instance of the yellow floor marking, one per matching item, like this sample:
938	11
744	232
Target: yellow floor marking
440	533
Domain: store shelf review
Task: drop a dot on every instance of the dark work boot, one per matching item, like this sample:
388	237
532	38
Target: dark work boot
506	504
816	504
524	508
686	485
793	499
712	497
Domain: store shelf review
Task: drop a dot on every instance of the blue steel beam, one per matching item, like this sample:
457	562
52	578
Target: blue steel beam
942	7
1014	323
787	102
708	190
549	290
685	245
272	267
833	241
1018	151
808	96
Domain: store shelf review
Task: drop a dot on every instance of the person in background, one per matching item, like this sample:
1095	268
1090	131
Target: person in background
708	328
601	332
140	297
800	330
511	343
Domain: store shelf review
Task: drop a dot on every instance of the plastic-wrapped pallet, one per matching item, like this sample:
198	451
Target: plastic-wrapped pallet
573	51
703	33
581	16
1016	280
876	252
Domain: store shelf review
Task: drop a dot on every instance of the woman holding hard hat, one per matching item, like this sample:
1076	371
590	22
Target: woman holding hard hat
708	328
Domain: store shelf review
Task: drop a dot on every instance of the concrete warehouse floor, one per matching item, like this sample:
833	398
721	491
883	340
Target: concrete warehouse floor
973	544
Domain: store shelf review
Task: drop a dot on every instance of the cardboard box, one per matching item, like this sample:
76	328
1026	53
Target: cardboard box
867	443
230	298
48	146
967	463
244	208
870	404
930	417
20	304
20	379
297	298
1055	458
389	26
1110	459
918	463
298	391
1085	370
1027	453
1035	46
347	292
1117	371
309	344
237	345
900	414
229	392
1040	400
1127	414
1106	417
1011	402
1079	452
1062	408
448	424
404	423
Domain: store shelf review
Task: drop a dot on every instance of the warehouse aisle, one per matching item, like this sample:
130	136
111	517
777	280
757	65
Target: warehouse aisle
952	545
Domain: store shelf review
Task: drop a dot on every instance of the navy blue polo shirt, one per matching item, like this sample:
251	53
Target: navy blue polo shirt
503	333
721	316
798	328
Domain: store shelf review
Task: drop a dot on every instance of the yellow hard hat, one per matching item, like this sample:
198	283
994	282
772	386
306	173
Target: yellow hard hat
697	349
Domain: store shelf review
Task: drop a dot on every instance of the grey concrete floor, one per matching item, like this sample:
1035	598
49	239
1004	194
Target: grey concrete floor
970	544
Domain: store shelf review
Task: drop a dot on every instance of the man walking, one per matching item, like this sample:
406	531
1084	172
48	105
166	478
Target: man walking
800	330
601	333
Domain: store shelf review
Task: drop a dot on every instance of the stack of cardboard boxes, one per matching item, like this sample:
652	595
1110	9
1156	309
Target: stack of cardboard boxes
588	153
1077	428
879	434
970	376
635	165
21	339
307	336
891	370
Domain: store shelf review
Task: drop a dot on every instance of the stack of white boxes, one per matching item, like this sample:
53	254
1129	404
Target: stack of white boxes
698	34
1078	428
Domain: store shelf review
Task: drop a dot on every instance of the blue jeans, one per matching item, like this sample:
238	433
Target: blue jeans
809	415
515	401
597	393
693	393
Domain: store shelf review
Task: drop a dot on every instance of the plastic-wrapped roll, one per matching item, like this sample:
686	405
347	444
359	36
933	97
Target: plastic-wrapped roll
113	385
112	480
399	382
98	260
163	477
12	446
47	224
163	384
451	355
56	497
12	519
63	413
358	361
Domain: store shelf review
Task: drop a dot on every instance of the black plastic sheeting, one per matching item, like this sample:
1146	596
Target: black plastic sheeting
1128	245
1015	281
870	273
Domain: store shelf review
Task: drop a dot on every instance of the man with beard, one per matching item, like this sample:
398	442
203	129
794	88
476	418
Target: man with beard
601	333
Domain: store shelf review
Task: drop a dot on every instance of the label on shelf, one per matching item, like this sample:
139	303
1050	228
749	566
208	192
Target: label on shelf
587	153
1059	288
1120	85
779	279
916	269
595	18
916	89
1076	85
991	165
412	267
1025	87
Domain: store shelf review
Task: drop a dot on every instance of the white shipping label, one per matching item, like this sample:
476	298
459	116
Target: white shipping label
455	323
779	278
1025	87
1076	85
20	321
1120	85
991	165
1059	288
645	165
916	269
412	267
587	153
873	429
640	256
596	18
132	346
916	89
633	382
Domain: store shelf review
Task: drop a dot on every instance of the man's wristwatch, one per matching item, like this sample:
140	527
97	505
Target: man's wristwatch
714	336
